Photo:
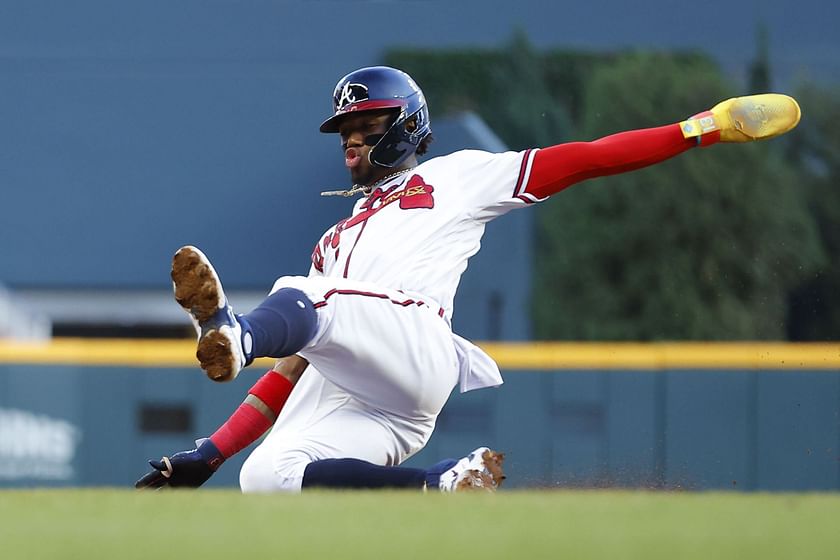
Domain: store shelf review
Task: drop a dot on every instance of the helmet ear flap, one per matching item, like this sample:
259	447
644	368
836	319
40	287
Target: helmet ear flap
402	139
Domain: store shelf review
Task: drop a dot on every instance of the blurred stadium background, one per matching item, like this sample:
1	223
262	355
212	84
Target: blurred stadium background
687	316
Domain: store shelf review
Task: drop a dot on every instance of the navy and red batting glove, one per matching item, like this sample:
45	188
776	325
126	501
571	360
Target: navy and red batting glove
185	469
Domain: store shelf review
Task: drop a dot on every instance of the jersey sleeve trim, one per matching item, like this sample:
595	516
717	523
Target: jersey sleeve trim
521	187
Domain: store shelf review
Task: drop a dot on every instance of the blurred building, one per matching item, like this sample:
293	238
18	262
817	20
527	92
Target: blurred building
96	295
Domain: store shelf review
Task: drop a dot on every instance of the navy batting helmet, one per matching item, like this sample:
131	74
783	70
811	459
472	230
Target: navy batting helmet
381	87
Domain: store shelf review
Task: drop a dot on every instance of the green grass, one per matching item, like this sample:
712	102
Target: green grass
121	524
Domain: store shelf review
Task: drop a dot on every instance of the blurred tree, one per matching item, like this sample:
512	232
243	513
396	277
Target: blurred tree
522	100
815	145
453	81
759	71
508	88
705	246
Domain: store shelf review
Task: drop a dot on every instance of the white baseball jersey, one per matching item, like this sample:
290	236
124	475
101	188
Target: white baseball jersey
416	231
384	359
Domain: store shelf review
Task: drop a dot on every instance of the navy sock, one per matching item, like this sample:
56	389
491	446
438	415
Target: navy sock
355	473
280	326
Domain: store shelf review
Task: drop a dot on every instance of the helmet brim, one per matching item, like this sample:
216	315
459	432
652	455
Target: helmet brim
332	124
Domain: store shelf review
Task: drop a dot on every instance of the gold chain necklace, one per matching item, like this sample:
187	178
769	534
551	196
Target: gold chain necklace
356	189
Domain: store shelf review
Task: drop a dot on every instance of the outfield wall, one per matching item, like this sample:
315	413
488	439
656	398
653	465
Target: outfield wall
696	416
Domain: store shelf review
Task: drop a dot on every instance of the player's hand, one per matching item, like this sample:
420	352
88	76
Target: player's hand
744	119
185	469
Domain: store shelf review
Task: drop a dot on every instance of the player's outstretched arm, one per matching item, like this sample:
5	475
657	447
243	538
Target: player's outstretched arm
740	119
256	414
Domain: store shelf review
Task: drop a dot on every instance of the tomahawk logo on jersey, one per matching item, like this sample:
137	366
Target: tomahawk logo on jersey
423	226
415	194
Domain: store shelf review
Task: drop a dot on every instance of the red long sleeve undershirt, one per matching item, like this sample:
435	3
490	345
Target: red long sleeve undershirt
563	165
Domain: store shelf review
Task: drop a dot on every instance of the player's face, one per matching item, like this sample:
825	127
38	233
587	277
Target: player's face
354	129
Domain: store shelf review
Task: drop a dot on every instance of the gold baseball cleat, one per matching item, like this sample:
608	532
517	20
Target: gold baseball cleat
744	119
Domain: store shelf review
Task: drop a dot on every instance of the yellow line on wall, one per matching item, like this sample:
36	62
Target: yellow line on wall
509	355
87	351
647	356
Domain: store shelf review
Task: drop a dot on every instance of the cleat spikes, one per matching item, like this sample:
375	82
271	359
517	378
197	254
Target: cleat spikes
199	292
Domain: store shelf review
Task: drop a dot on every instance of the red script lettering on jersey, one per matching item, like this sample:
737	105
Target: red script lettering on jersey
417	194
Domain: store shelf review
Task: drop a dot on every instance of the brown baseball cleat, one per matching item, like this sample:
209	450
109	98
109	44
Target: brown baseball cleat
196	284
199	292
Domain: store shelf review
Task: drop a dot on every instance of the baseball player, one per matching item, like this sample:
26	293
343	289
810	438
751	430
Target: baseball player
367	358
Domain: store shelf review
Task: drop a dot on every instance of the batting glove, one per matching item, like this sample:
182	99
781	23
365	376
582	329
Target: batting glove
185	469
